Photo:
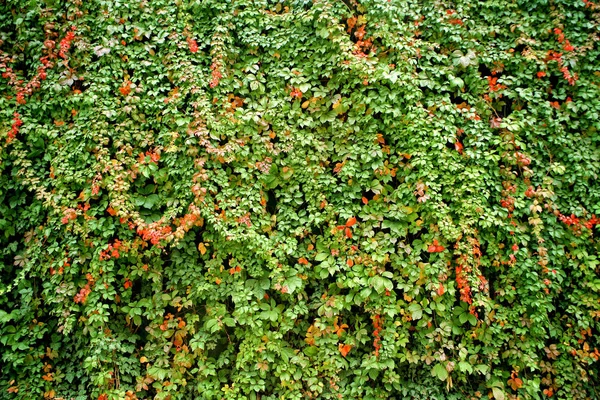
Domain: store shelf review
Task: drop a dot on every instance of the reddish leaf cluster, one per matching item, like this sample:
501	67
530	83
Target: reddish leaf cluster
193	46
515	382
530	192
235	270
296	93
154	157
112	251
26	90
165	325
362	47
378	326
522	159
463	285
302	261
81	297
14	130
65	43
154	232
555	56
245	220
560	36
216	74
346	228
568	77
572	220
68	215
494	85
126	88
189	220
508	203
435	247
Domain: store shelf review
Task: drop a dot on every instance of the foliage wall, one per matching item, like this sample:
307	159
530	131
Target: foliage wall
252	199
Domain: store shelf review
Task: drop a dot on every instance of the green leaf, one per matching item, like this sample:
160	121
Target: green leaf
416	311
304	87
498	393
440	372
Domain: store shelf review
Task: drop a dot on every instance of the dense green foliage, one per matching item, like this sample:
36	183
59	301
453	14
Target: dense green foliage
329	199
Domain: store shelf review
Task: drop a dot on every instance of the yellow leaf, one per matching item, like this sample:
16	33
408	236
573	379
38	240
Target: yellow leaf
306	104
143	360
202	248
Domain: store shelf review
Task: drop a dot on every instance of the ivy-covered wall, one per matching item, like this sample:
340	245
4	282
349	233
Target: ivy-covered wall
252	199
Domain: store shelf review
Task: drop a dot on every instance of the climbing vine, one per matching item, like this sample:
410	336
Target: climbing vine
298	199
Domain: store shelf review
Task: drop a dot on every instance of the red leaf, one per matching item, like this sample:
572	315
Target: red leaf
458	146
193	45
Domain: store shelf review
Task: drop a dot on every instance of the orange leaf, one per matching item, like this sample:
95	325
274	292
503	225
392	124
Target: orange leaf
178	340
350	222
515	383
441	290
339	329
348	233
365	201
125	89
344	349
435	247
